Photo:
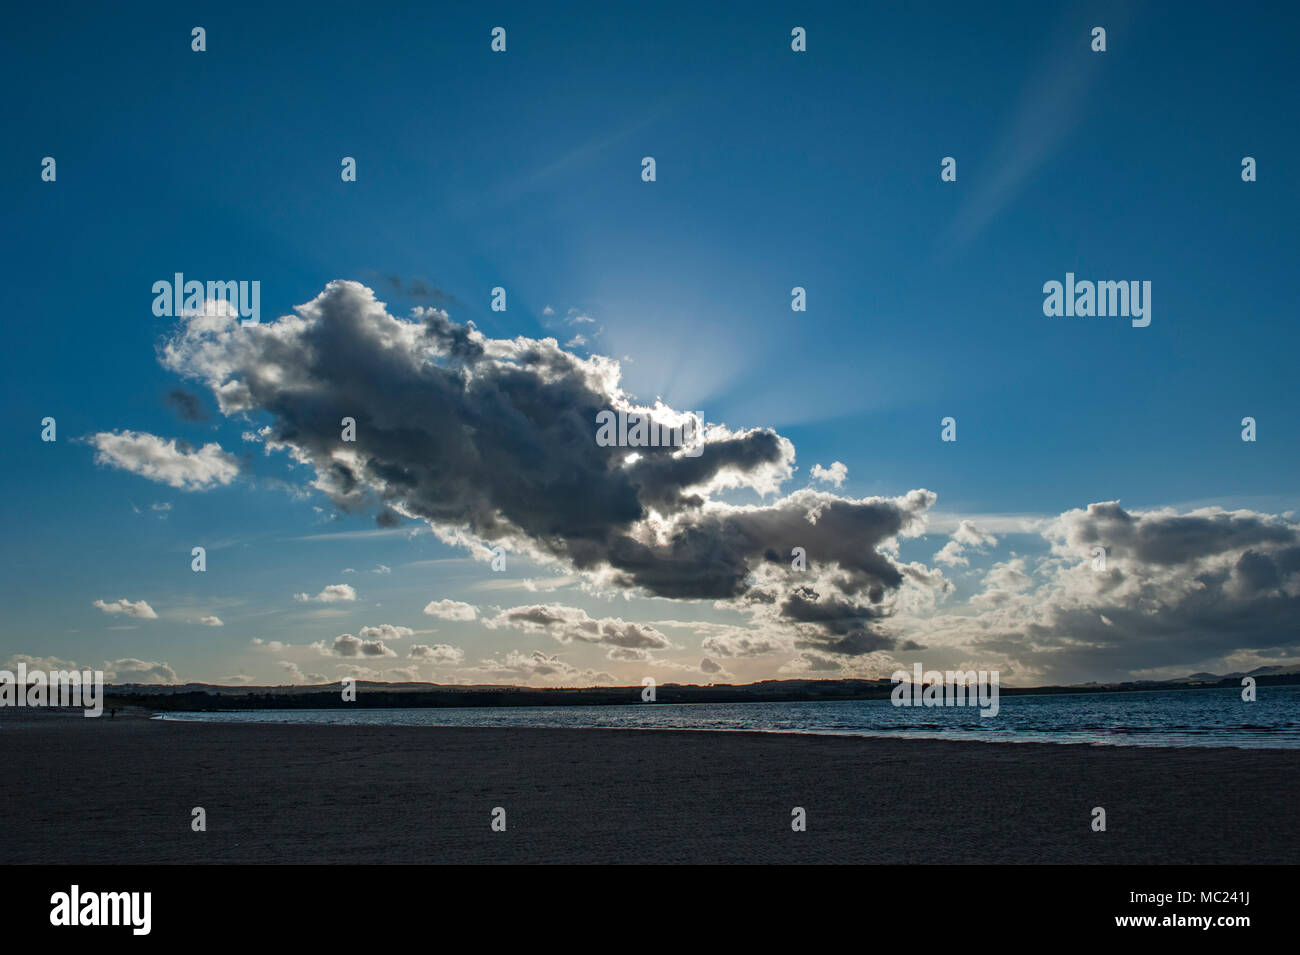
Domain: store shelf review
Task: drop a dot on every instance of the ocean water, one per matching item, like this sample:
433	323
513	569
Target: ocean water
1161	718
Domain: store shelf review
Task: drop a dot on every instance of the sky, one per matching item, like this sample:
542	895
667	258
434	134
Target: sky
522	170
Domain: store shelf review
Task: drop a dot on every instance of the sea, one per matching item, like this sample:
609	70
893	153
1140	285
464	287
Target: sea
1217	717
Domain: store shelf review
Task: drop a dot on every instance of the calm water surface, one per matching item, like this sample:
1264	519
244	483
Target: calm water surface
1161	718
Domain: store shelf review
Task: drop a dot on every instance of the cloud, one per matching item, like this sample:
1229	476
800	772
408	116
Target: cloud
358	672
1050	108
211	621
42	663
1002	582
385	631
187	406
139	608
1182	591
742	644
567	624
293	671
346	645
538	665
714	670
124	670
132	670
334	593
165	461
492	442
967	534
835	474
450	610
439	653
418	290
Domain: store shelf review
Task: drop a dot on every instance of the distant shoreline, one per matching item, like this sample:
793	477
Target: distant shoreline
901	736
207	697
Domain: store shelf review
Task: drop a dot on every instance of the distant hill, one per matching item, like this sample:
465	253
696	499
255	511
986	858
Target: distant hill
1257	672
206	696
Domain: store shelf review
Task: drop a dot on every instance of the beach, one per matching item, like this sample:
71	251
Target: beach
122	790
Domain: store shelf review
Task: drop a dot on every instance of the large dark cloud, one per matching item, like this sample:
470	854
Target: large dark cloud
1177	593
1194	586
1167	539
493	442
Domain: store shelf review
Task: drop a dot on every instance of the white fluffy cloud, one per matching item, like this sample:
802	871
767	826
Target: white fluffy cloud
293	671
166	461
967	535
334	593
450	610
139	608
132	670
834	475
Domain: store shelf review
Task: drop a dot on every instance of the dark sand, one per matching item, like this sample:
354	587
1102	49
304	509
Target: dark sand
76	790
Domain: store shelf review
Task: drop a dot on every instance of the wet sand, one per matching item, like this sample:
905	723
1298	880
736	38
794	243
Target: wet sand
76	790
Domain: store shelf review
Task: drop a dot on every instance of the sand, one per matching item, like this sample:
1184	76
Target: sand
75	790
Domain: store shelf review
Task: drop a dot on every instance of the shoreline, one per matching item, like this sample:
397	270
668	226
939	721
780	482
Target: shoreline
41	716
502	717
811	734
123	791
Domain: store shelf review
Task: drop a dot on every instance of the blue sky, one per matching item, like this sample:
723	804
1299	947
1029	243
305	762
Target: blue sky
774	169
